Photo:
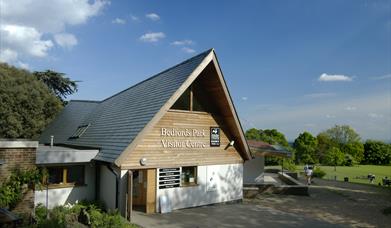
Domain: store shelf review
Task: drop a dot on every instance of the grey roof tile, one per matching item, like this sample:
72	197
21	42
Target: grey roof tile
117	120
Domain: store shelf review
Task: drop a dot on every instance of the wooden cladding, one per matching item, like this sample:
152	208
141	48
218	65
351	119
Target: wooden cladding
161	150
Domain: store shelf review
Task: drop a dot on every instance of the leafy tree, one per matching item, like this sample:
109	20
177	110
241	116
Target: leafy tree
377	153
305	146
26	104
334	156
355	149
60	85
325	143
253	134
271	136
343	134
345	139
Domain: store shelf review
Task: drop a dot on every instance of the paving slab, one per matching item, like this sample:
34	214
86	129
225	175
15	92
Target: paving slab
239	215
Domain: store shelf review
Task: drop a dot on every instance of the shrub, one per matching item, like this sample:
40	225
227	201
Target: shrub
318	173
78	215
12	190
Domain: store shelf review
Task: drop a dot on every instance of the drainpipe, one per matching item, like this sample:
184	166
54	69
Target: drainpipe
117	181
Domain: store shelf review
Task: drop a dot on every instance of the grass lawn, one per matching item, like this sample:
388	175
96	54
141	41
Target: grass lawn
357	174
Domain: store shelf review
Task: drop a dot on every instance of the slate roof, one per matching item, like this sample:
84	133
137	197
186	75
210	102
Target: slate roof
117	120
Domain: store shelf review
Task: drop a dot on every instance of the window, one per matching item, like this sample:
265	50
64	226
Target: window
79	131
190	100
183	102
65	176
189	176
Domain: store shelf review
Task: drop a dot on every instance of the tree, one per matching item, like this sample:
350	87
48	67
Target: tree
377	153
334	156
26	104
345	139
252	134
355	149
325	143
60	85
272	136
305	146
343	134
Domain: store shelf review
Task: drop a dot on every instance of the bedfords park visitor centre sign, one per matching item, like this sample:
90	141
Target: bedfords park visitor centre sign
188	137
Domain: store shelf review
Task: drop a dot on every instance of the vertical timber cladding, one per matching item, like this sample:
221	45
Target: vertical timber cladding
183	138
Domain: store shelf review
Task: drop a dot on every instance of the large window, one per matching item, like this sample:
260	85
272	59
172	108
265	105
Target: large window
189	176
65	176
190	100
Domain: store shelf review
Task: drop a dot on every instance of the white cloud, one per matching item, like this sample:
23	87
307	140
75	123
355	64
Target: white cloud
25	40
332	78
152	37
320	95
351	108
152	16
23	65
188	50
65	40
8	55
375	115
182	42
29	26
244	98
387	76
330	116
134	18
118	21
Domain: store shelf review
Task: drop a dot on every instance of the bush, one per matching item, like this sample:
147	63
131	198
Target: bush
78	215
289	164
12	190
318	173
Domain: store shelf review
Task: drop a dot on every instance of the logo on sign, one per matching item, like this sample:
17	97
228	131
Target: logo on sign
214	136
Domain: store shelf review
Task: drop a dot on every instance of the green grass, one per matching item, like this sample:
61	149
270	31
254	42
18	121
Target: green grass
354	172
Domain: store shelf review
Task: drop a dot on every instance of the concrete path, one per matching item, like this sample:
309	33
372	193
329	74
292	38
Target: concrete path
238	215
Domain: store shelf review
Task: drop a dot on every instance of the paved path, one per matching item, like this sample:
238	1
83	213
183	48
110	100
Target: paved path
330	204
240	215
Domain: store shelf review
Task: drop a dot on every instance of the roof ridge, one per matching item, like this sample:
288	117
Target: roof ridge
77	100
91	101
186	61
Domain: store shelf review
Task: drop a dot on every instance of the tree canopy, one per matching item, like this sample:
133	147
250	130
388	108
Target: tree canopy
342	134
60	85
26	104
305	146
377	152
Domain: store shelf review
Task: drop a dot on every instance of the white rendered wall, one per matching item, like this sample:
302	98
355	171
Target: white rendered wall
61	196
107	187
253	170
123	192
226	186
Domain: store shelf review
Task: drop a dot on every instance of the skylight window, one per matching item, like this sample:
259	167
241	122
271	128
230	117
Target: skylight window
79	131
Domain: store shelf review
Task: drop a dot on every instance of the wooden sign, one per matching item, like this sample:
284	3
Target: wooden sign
214	136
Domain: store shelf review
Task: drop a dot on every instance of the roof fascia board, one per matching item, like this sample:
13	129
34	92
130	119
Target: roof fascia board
231	106
121	159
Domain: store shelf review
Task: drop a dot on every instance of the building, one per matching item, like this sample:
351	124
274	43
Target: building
173	140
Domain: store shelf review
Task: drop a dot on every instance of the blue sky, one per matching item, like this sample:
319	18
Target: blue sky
289	65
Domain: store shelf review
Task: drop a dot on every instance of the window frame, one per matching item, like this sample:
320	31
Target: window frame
195	176
192	100
79	131
65	183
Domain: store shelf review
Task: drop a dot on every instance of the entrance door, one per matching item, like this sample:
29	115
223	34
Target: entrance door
139	189
143	190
